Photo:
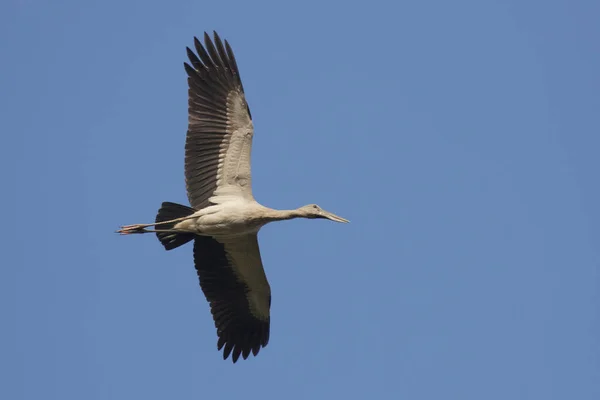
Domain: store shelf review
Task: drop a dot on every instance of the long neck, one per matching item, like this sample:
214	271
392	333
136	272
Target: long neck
281	215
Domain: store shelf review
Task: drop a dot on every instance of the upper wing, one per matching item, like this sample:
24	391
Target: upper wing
234	283
219	136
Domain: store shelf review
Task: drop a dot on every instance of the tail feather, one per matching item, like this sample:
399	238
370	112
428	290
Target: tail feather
167	212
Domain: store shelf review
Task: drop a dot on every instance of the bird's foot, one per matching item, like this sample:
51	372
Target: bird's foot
130	229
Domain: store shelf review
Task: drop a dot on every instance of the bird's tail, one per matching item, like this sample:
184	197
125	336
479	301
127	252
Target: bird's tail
169	211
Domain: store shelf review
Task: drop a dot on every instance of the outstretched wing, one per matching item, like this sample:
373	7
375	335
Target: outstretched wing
234	283
220	130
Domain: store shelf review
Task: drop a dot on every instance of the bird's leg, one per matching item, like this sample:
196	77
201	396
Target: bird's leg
141	228
146	230
129	229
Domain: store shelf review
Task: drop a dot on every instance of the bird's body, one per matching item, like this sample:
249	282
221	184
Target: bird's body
230	218
224	218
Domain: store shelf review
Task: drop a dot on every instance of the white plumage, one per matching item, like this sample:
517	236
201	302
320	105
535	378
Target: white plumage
224	219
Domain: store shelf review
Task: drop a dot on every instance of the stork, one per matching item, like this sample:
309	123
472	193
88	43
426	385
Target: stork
224	218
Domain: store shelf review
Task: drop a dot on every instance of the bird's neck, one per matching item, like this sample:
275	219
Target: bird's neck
281	215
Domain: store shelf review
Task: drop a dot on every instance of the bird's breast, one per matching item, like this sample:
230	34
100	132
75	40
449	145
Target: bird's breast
228	220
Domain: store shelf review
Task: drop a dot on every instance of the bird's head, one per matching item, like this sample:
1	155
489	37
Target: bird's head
314	211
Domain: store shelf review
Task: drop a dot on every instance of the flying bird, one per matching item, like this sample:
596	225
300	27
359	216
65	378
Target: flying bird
224	218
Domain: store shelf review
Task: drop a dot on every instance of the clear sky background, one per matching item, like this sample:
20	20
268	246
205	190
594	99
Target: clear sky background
461	138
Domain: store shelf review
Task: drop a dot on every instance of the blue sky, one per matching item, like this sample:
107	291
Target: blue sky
460	138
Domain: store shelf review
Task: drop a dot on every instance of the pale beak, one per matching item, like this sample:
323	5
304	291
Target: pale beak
333	217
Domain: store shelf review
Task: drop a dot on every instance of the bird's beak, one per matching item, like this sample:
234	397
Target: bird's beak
333	217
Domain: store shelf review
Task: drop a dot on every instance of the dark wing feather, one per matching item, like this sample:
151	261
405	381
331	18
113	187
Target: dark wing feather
214	92
233	281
